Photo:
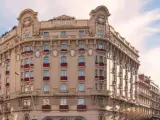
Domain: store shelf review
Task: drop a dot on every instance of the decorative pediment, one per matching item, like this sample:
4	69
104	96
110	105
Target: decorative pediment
100	8
64	17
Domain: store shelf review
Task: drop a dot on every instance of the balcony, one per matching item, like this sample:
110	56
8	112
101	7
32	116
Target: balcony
81	64
96	77
64	64
46	78
26	108
26	66
46	107
63	107
45	51
81	77
26	79
31	65
101	77
81	107
46	64
81	49
63	78
64	50
31	78
27	52
7	84
7	72
102	50
101	64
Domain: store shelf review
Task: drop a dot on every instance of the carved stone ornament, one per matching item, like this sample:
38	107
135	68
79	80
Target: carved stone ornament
55	53
91	31
27	22
38	54
18	57
72	53
101	19
90	52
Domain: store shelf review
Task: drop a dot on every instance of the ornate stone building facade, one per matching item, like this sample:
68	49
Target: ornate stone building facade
144	98
66	68
155	101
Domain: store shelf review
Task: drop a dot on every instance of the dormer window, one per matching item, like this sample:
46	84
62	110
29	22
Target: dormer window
100	34
45	34
63	33
27	35
81	33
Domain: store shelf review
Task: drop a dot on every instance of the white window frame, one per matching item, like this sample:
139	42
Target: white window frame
81	87
63	101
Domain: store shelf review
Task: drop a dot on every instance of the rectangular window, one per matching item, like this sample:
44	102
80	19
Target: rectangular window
45	73
100	86
45	101
96	72
63	87
63	33
63	73
31	73
26	75
45	88
45	34
81	72
101	59
80	101
46	47
100	72
96	59
27	102
100	101
81	87
46	60
63	102
81	59
81	45
63	46
81	33
31	60
26	88
26	61
28	35
63	59
101	46
100	34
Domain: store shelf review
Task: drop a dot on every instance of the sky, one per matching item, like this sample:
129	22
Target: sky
136	20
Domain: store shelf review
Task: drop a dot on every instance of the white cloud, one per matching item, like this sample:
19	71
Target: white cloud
126	17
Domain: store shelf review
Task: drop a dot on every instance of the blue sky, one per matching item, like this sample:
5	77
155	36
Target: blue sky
136	20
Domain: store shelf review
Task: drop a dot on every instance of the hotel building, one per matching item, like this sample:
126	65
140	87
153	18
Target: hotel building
66	68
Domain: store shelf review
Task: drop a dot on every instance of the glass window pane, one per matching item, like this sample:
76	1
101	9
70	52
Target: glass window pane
81	33
63	33
45	88
81	72
7	68
26	61
28	35
100	101
81	45
63	46
46	47
80	101
31	73
26	74
81	59
100	46
63	73
63	102
46	60
46	34
81	87
7	80
100	33
63	87
63	59
45	73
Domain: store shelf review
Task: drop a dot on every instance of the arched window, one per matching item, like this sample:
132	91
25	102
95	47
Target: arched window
46	59
26	118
